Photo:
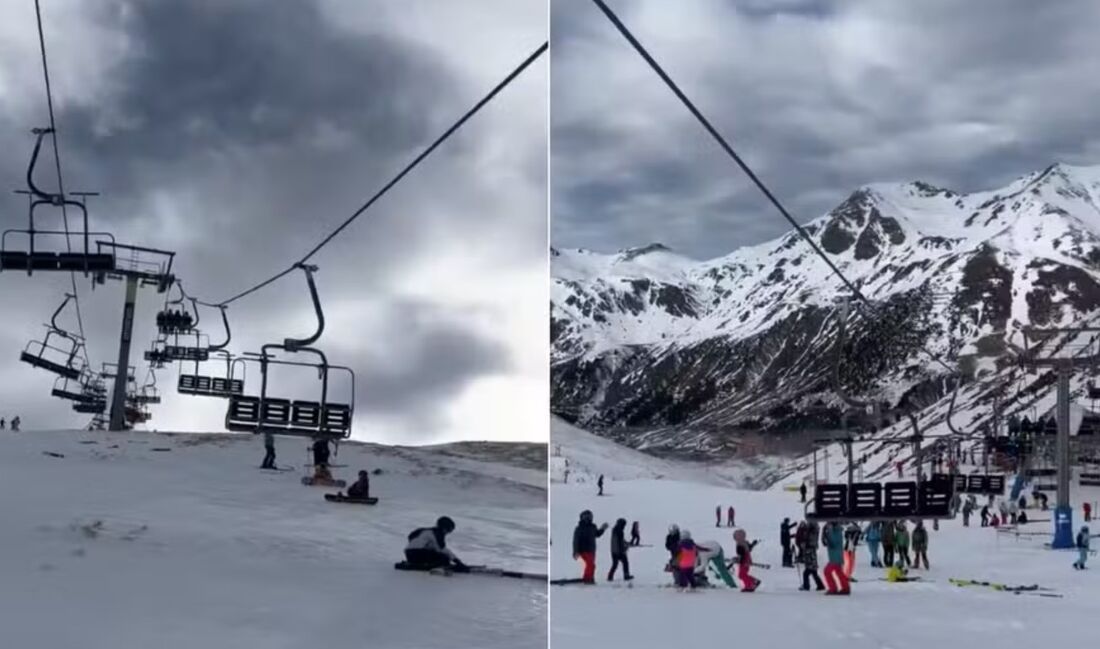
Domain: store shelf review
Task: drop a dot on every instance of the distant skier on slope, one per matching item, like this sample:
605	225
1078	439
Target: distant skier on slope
320	453
985	515
889	531
584	544
427	548
269	452
15	423
730	520
618	551
599	485
718	516
852	536
744	561
1082	544
802	491
635	534
967	511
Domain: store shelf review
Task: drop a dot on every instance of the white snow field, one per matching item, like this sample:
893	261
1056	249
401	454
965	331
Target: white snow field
878	615
117	545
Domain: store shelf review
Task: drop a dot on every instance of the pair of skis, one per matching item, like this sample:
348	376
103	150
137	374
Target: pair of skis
1032	589
481	570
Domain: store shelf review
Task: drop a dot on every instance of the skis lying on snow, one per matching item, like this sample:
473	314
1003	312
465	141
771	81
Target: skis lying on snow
331	466
277	468
340	498
1032	589
763	566
472	570
314	482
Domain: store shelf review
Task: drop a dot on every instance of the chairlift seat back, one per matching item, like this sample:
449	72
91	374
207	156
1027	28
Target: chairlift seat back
865	500
830	501
46	364
243	413
1089	479
275	412
899	499
305	414
76	261
337	418
934	499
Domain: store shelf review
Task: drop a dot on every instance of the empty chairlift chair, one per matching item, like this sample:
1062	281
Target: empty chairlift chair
61	357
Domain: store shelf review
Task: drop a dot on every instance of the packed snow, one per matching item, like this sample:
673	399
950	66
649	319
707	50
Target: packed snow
878	615
138	540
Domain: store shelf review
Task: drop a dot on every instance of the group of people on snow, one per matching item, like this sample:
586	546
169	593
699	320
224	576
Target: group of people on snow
15	423
731	520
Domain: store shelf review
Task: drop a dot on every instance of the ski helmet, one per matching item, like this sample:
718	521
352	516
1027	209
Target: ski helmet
446	524
673	529
586	516
686	535
739	535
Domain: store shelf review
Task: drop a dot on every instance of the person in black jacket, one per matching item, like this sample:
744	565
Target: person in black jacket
361	489
320	453
618	550
584	544
635	534
785	542
427	548
672	541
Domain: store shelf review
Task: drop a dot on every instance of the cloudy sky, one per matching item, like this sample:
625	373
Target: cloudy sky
237	133
818	96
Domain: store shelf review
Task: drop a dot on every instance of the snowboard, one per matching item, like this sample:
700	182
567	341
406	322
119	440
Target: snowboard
337	498
313	482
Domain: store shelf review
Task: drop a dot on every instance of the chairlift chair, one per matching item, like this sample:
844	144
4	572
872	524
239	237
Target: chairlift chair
60	360
280	416
32	258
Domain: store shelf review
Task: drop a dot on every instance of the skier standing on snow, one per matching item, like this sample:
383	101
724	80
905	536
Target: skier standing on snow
1082	548
635	534
718	516
802	491
901	541
807	555
785	542
672	541
920	546
684	563
618	550
889	529
985	515
832	537
729	518
427	548
744	561
584	544
599	485
269	452
873	535
967	509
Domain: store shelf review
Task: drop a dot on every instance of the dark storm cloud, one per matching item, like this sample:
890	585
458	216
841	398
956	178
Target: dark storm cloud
818	97
237	134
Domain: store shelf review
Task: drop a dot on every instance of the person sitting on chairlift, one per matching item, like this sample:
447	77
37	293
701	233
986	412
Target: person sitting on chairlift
427	548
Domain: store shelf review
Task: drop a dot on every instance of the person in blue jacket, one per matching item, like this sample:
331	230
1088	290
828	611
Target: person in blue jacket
836	582
1082	547
873	536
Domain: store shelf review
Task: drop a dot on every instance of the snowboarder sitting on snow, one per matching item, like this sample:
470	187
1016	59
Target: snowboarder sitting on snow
427	548
744	561
712	554
361	489
584	544
1082	547
618	550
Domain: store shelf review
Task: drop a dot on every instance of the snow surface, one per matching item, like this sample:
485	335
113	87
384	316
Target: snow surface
878	615
119	546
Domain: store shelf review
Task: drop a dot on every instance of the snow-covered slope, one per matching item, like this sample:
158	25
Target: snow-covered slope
877	615
137	540
684	350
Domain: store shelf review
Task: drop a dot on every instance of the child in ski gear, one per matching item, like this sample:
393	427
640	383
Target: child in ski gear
584	544
729	517
807	555
672	541
684	563
832	537
901	541
1082	547
744	561
618	550
874	538
361	489
712	554
427	548
920	545
785	542
599	484
635	534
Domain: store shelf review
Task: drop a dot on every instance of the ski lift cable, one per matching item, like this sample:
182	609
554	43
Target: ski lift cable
57	166
638	47
534	56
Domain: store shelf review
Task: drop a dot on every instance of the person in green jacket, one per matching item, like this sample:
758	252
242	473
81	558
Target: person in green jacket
920	545
901	542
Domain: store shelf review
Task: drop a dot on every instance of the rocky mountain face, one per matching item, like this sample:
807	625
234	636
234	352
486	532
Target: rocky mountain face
671	354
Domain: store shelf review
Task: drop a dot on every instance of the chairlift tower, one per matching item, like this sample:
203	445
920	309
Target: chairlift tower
1063	368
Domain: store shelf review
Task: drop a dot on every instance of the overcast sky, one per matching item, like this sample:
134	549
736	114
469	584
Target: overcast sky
818	96
237	133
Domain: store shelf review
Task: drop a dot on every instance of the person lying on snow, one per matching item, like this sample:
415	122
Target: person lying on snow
898	573
427	548
361	489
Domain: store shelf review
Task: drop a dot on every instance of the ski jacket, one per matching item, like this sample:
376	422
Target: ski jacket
744	553
809	559
585	535
833	539
672	542
901	538
894	574
785	533
888	533
1082	541
852	535
920	539
429	538
873	533
618	540
361	488
688	555
811	535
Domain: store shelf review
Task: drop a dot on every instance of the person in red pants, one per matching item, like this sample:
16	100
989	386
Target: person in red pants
744	561
584	544
832	537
